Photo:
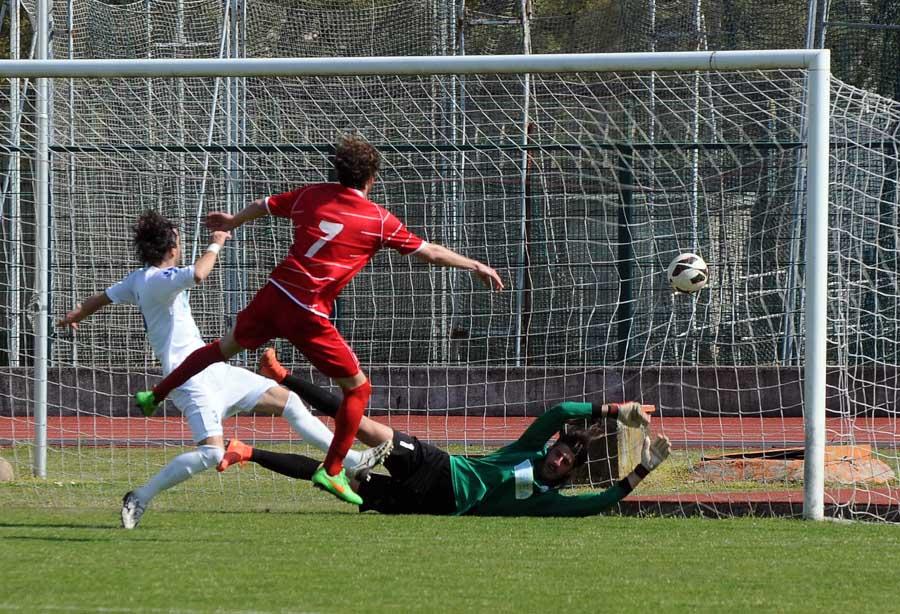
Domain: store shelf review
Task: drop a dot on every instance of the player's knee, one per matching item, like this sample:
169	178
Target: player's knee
229	345
349	384
362	392
274	401
210	455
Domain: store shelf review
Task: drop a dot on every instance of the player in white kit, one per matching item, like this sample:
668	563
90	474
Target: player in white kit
158	290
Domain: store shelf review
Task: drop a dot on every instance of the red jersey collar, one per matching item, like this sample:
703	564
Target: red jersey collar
358	191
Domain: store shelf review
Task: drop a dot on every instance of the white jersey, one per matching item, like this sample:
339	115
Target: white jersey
215	393
160	295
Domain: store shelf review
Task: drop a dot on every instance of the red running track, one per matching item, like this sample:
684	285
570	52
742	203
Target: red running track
684	432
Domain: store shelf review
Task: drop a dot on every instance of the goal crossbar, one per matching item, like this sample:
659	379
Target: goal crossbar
419	65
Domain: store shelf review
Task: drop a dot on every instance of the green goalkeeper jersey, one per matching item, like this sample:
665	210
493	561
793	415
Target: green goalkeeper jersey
506	483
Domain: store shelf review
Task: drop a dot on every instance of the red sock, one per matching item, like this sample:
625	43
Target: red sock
346	423
196	361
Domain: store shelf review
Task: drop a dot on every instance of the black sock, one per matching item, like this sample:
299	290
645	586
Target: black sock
316	396
294	466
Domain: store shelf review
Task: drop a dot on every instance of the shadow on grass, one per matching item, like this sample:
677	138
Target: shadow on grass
33	538
98	539
60	525
111	533
278	512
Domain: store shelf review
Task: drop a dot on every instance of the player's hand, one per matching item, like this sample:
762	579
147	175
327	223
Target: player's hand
653	454
488	276
631	414
70	320
219	236
219	220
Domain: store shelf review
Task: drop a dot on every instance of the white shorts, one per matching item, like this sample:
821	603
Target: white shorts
217	392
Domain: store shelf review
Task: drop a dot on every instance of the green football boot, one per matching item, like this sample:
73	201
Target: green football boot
336	485
146	401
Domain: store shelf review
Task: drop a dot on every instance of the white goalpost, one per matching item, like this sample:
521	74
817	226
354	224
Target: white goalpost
583	207
817	121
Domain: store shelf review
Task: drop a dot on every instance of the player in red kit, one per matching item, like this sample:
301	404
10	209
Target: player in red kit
337	230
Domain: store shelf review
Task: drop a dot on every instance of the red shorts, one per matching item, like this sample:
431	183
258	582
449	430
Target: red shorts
272	314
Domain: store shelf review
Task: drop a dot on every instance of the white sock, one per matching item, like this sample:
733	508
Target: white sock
311	428
178	470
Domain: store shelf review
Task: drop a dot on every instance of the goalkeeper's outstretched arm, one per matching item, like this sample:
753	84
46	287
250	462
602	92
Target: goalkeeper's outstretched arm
546	426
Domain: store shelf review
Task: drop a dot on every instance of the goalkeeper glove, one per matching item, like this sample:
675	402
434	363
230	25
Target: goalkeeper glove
653	454
629	414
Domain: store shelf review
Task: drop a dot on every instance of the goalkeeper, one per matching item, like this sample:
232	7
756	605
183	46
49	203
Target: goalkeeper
520	479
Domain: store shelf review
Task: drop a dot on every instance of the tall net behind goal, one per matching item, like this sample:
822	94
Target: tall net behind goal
579	188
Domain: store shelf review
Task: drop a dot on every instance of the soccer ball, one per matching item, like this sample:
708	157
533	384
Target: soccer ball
688	273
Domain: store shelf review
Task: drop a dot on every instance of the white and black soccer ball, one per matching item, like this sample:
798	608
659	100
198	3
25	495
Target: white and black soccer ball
688	273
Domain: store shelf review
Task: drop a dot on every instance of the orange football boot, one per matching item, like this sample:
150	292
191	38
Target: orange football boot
236	452
270	367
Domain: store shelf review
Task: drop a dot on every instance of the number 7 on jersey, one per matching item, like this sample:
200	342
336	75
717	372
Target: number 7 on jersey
331	230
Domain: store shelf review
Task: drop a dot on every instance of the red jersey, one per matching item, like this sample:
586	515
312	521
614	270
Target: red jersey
337	230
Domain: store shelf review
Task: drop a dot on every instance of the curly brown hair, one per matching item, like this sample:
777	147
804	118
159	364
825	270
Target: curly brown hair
355	161
154	236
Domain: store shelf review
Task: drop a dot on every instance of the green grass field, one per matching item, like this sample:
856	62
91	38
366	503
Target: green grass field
324	558
249	541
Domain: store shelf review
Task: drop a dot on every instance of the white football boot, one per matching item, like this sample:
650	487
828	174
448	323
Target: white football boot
132	510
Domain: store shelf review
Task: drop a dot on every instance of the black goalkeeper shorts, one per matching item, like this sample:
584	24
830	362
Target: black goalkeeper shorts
419	483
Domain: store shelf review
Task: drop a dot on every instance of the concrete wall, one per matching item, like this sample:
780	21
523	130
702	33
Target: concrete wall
516	391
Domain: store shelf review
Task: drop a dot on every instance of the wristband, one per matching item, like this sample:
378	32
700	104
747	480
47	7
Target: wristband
607	410
641	471
214	248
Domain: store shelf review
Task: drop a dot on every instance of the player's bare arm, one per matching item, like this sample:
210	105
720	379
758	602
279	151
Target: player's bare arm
219	220
205	263
90	305
440	255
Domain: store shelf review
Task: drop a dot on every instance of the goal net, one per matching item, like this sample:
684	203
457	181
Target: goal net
579	187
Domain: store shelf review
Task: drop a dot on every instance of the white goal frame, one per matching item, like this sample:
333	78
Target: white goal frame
815	62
